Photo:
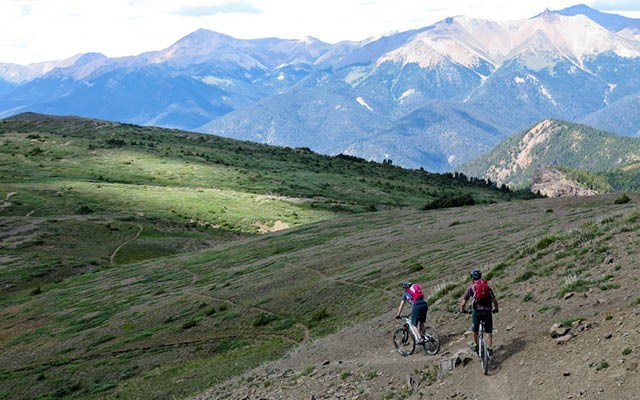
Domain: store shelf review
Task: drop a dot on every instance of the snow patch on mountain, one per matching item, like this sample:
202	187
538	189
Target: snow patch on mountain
539	42
406	94
356	75
363	103
216	81
545	92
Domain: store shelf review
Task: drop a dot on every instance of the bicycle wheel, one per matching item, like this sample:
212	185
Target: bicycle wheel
484	356
432	343
404	341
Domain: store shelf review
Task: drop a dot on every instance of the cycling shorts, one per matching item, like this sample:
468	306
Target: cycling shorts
419	312
486	316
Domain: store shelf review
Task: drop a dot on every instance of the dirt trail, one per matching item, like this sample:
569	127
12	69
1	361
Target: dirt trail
360	363
343	282
115	252
6	202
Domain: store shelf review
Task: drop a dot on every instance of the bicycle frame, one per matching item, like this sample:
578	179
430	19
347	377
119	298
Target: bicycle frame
405	338
407	324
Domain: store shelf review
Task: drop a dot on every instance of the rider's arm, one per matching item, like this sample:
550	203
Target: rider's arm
465	298
400	308
495	302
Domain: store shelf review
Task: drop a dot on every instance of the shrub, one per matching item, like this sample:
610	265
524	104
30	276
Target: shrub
622	199
526	275
626	351
580	285
283	324
527	297
319	315
448	201
84	209
35	151
264	319
211	311
113	142
546	242
570	321
498	270
189	324
372	374
416	268
548	307
607	286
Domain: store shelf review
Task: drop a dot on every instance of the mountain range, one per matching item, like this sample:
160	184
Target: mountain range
435	97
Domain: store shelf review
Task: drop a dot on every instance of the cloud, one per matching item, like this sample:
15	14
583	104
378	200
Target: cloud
226	8
26	11
617	5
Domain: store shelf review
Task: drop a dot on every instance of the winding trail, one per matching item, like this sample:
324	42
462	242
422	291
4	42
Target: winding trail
343	282
115	252
190	291
6	202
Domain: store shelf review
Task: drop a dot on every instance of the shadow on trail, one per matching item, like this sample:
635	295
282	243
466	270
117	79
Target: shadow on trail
504	352
446	338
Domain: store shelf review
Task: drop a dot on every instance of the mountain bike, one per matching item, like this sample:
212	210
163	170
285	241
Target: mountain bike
483	349
404	339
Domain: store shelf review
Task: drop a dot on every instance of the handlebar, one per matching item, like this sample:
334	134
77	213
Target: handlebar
466	311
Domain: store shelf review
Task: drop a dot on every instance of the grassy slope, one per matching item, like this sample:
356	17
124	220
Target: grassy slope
76	190
570	145
174	326
586	246
86	202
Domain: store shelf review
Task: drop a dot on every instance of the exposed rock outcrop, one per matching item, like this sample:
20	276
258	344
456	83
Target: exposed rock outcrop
554	183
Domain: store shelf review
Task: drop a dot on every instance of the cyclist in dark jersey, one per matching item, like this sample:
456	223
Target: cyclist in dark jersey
481	311
418	310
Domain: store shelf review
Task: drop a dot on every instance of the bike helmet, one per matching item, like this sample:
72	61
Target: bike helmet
406	285
476	274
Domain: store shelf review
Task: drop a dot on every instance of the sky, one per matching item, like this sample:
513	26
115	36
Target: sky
44	30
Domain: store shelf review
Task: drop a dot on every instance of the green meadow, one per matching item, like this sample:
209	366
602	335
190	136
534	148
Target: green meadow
140	262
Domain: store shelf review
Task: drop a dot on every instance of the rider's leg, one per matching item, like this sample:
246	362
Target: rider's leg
489	332
474	327
422	318
416	331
